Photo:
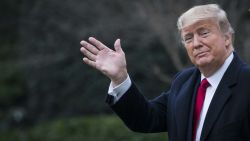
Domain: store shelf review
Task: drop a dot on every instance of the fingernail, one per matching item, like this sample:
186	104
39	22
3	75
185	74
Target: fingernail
82	42
82	49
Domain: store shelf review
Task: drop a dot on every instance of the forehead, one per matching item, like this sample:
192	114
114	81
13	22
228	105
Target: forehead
208	24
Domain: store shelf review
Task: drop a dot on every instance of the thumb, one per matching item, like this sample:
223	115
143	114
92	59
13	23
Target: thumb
117	45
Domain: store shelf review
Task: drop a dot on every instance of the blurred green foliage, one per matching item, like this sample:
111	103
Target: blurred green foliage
10	84
42	76
91	128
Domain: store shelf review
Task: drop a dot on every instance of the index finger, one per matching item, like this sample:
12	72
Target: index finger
97	43
89	47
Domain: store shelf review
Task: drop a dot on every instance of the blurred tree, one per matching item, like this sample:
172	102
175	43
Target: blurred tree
163	15
46	35
12	86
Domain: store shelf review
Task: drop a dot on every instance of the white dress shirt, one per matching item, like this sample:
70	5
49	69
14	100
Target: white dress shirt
213	80
118	91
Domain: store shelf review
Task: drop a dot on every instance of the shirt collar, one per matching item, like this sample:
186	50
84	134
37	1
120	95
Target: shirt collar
215	79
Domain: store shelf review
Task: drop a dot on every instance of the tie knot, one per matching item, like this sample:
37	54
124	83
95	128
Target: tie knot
204	83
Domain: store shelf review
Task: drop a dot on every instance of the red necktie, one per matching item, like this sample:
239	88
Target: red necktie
200	96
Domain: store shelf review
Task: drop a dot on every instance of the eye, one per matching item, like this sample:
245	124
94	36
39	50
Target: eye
188	38
204	32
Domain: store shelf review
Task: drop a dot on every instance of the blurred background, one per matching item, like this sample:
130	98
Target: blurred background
48	94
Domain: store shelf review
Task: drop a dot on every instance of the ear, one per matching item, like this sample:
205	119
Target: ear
228	39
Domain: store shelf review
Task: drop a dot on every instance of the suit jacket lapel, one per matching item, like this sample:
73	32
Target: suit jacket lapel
221	96
184	105
219	100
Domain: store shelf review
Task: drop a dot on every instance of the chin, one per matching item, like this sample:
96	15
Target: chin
202	63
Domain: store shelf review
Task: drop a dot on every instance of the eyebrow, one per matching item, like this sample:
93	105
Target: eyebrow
203	28
198	29
187	35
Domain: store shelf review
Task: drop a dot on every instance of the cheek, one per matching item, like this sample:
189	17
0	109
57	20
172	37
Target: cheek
219	50
189	51
190	54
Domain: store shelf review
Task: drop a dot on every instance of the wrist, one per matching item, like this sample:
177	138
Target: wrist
121	78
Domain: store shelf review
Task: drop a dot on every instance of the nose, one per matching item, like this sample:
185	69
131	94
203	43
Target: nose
196	41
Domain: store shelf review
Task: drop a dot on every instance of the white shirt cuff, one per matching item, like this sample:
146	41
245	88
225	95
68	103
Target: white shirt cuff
118	91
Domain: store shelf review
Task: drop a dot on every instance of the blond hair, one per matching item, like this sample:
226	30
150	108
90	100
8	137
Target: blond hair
203	12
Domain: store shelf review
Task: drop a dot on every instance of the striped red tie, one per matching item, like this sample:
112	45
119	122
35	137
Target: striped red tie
200	96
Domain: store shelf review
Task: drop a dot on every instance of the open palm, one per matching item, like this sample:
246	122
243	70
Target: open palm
111	63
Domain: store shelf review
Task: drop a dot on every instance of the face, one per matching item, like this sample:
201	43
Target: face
206	45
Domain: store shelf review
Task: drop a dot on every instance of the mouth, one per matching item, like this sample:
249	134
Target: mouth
201	54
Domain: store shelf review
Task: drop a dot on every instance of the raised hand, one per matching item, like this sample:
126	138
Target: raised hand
111	63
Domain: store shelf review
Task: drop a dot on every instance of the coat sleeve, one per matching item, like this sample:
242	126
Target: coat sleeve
140	114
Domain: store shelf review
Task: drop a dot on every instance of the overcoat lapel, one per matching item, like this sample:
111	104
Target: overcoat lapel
183	107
